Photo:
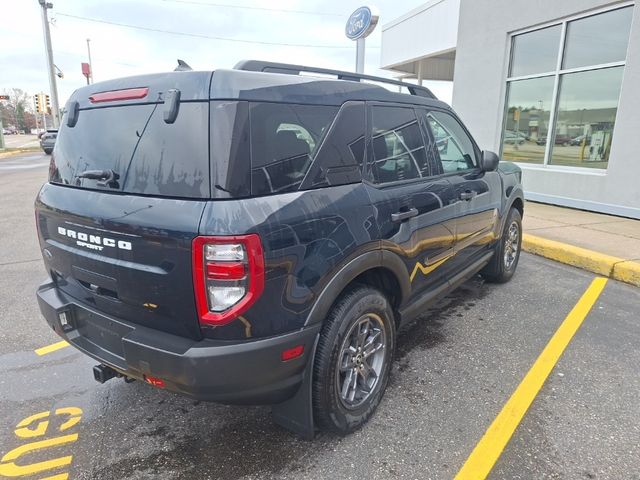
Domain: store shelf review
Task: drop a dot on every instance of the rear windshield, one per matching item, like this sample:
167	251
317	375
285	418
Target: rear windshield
145	154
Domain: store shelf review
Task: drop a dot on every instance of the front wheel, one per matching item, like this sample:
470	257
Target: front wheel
353	360
507	251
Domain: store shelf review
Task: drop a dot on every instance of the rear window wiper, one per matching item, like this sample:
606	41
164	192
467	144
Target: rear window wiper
107	178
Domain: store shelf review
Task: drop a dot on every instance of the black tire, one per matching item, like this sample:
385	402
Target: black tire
352	310
502	266
48	151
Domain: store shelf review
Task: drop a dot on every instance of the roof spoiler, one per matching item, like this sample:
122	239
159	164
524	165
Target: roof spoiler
275	67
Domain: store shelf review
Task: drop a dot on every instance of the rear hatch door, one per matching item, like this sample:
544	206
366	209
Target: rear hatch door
125	196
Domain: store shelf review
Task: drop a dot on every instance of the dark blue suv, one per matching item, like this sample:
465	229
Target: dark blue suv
258	235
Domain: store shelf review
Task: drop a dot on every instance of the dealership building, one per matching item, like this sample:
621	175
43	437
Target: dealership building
551	85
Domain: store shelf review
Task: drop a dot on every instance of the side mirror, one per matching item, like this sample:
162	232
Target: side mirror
489	162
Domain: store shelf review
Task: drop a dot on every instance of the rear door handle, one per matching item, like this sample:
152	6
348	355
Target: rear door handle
468	195
402	216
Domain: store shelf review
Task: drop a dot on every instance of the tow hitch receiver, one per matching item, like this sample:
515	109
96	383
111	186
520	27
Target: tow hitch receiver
102	373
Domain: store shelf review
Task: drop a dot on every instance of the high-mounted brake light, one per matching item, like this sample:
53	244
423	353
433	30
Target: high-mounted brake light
113	95
228	276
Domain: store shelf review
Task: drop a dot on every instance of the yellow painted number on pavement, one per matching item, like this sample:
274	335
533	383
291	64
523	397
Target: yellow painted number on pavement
35	426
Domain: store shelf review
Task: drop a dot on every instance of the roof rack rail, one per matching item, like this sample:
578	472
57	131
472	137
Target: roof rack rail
275	67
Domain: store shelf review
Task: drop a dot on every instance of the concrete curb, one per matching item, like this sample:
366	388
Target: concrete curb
17	151
627	271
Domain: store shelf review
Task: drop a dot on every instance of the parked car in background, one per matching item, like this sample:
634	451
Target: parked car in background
558	140
519	134
578	140
513	139
48	141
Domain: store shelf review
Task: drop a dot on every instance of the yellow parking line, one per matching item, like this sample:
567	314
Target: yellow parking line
51	348
488	450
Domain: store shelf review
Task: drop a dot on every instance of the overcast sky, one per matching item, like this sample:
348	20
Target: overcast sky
119	51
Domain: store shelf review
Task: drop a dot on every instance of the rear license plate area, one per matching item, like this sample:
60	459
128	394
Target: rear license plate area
100	331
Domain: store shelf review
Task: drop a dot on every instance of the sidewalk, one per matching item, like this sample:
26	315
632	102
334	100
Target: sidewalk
600	243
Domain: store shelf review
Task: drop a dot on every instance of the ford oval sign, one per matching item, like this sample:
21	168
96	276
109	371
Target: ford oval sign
361	23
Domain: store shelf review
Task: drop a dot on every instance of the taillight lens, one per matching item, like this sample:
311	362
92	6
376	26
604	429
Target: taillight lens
228	276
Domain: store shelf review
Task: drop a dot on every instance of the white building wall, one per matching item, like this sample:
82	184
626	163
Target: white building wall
479	89
427	30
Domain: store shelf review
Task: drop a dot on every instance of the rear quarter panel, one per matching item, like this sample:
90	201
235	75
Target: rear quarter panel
511	177
307	237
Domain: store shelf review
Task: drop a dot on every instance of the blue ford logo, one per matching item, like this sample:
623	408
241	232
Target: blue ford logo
358	23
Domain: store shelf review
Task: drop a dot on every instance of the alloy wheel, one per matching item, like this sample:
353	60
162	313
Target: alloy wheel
361	360
511	245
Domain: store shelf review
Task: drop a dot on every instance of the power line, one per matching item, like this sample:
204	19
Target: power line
198	35
263	9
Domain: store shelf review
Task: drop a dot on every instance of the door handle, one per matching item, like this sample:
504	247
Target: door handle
402	216
468	195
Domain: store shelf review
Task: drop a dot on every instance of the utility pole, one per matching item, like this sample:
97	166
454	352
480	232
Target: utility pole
90	78
55	110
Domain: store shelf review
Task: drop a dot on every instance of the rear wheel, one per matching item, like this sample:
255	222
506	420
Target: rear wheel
507	251
353	360
48	151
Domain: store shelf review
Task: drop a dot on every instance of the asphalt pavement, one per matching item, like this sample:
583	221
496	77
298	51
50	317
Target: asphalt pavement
455	368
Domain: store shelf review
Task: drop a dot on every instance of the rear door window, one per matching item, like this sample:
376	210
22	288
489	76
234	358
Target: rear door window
284	140
398	147
146	155
340	157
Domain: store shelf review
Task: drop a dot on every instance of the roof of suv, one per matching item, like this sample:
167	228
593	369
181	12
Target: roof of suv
249	81
282	87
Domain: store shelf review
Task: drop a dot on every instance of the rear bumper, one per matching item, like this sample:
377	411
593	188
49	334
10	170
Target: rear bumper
241	373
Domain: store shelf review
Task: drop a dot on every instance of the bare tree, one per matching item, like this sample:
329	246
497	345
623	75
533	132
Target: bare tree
13	110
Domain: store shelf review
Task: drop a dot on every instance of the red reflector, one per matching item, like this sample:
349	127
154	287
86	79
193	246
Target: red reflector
128	94
156	382
225	271
292	353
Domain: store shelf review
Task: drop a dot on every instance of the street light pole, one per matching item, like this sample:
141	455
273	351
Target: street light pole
55	110
90	79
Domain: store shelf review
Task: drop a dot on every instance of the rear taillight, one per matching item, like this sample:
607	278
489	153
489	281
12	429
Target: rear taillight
228	276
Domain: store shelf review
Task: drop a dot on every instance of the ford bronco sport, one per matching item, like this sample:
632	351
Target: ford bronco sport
258	235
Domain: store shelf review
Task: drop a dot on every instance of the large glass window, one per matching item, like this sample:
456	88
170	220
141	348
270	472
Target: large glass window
535	52
587	108
576	104
527	119
597	39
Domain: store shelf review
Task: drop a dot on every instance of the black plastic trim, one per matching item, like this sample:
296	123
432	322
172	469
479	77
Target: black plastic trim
250	372
412	310
357	266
